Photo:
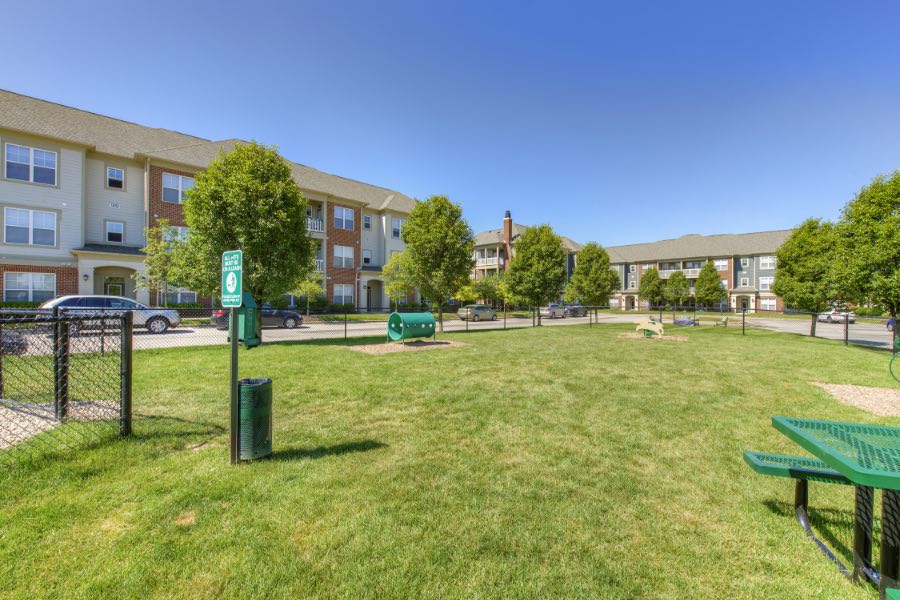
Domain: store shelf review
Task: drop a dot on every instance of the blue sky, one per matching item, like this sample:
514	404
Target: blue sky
618	122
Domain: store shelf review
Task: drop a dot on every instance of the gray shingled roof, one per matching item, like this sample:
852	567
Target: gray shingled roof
493	237
121	138
701	246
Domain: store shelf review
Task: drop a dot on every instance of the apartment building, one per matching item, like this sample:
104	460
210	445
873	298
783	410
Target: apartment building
745	262
494	247
79	189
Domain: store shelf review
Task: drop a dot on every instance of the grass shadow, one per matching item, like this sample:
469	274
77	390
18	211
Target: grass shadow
834	527
325	451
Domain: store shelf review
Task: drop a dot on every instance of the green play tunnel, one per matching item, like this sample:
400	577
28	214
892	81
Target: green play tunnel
404	326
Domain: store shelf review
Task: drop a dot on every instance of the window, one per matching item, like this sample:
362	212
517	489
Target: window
28	287
766	262
181	296
767	304
122	303
343	257
648	266
115	178
177	233
115	232
343	218
396	228
693	264
33	227
30	164
765	283
724	284
721	264
367	257
343	293
745	282
175	187
745	262
367	222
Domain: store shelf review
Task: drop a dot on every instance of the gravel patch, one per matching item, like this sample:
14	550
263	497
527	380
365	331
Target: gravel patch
884	402
665	338
388	348
20	422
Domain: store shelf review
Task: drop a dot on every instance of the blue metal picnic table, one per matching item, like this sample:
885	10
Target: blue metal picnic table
869	456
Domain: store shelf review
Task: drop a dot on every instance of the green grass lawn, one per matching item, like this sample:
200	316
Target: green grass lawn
559	462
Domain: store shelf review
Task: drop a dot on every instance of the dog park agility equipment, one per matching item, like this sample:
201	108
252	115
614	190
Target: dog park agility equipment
405	326
648	327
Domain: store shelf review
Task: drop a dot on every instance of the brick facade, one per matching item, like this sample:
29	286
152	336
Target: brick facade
164	210
66	277
342	237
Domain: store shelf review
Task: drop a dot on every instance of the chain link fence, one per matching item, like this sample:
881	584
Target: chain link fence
64	380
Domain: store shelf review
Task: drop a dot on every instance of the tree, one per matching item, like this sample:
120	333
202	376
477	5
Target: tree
310	288
678	290
466	293
440	244
396	277
537	271
867	265
708	290
801	273
594	280
652	288
488	288
159	262
248	200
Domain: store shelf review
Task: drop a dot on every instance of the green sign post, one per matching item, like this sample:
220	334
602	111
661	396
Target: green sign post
232	298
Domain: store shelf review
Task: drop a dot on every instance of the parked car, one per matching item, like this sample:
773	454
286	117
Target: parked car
156	320
271	317
477	312
553	311
836	316
575	310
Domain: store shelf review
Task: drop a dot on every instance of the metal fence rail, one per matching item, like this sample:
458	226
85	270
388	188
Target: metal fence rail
64	380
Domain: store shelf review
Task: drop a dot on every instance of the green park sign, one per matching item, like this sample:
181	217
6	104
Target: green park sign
232	278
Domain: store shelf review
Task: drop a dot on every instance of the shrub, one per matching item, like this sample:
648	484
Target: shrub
19	304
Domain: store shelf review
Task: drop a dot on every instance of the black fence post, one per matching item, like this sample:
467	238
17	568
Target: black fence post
743	321
60	366
468	316
345	323
505	311
846	330
126	342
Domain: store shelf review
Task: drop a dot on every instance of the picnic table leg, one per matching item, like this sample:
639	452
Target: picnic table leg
890	539
801	504
862	533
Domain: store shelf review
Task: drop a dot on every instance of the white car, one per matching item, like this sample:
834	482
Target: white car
836	316
156	320
553	311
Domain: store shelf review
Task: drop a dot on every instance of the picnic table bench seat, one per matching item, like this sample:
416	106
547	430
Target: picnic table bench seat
794	467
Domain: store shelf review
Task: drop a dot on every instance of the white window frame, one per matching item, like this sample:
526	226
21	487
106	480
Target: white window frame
745	262
31	213
108	178
396	228
745	282
724	284
30	288
106	231
367	221
344	219
766	303
30	164
179	299
721	264
367	257
181	189
647	266
765	283
344	297
766	262
343	254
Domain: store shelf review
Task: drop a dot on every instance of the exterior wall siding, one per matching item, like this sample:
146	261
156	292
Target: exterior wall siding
102	203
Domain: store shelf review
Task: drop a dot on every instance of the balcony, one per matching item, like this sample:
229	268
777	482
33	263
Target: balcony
490	261
689	273
320	265
665	274
315	225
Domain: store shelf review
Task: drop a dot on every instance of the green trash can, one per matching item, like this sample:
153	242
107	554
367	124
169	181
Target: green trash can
256	418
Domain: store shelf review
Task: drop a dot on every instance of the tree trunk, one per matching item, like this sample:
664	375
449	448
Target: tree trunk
441	317
812	325
307	306
896	339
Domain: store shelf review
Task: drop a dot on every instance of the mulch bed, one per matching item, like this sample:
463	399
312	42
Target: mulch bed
665	338
884	402
389	348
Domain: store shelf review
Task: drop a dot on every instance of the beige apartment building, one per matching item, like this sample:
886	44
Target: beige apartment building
78	190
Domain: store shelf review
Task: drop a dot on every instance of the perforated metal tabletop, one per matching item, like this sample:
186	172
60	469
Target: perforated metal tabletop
865	454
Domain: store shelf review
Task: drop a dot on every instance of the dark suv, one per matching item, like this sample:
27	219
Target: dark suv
271	317
575	310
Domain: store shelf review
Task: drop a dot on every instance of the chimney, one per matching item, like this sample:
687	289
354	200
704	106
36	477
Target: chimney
507	234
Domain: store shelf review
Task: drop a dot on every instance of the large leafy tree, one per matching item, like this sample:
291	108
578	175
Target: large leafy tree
594	280
489	289
708	290
537	271
652	289
678	290
247	200
159	260
867	265
440	244
396	277
804	262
